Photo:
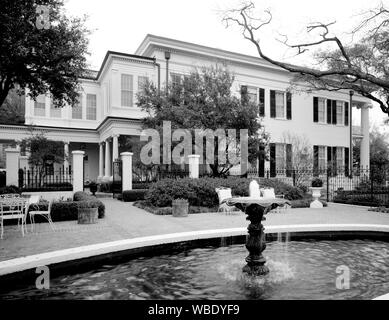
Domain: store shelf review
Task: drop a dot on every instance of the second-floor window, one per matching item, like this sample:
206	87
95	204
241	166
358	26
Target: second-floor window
77	109
142	80
257	96
127	90
339	112
91	106
40	106
54	112
280	105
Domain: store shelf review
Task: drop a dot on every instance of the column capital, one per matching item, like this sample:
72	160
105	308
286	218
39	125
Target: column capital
66	142
126	154
101	143
116	135
365	106
78	152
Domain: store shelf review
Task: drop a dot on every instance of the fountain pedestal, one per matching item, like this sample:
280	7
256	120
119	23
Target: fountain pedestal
256	241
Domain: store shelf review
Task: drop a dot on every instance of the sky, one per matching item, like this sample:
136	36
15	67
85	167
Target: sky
121	25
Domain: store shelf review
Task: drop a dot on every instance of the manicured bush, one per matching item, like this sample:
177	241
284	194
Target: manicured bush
10	189
359	199
201	192
68	210
305	203
317	183
134	195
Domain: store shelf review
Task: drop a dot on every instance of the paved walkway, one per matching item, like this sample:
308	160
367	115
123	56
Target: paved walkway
124	221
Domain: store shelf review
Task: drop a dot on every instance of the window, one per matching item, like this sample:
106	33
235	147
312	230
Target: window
339	158
322	157
339	112
77	109
280	156
175	79
40	106
91	106
322	110
252	93
280	104
142	80
127	90
54	112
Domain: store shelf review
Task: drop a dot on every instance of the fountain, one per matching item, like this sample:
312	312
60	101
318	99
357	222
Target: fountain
256	209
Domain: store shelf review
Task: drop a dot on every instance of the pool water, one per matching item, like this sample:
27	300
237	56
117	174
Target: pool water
298	270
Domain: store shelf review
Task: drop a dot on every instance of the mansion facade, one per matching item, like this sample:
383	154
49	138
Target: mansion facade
108	110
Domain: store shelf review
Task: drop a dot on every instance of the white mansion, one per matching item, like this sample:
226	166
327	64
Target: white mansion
108	110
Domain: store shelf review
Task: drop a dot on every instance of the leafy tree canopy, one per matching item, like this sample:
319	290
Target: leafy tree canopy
41	49
204	100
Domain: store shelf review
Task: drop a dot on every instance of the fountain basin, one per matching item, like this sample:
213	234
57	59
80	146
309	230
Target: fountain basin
93	257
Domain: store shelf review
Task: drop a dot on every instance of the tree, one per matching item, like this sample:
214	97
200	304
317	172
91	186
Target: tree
12	110
362	66
41	50
43	152
379	149
302	157
203	100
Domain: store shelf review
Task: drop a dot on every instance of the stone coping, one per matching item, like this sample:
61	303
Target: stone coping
12	266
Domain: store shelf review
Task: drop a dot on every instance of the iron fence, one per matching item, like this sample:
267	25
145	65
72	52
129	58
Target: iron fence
363	186
35	179
142	178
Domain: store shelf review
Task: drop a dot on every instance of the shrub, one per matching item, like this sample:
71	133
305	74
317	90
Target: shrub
201	192
317	183
83	196
10	189
361	199
134	195
305	203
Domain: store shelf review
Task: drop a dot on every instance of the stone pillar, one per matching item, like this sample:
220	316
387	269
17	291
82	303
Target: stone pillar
101	161
194	161
126	170
365	143
12	166
115	147
107	173
78	170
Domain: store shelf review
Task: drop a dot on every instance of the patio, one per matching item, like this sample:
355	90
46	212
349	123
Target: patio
124	221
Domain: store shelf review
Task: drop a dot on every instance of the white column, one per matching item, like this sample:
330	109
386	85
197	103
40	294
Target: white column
194	161
115	147
126	170
107	173
12	166
365	143
78	170
101	161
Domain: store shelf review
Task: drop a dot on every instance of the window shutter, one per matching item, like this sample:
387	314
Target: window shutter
272	104
261	164
288	106
315	160
289	160
346	112
334	112
329	111
261	102
315	109
273	160
243	90
346	161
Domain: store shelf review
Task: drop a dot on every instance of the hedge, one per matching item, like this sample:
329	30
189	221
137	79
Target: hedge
10	189
201	192
134	195
68	210
360	200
